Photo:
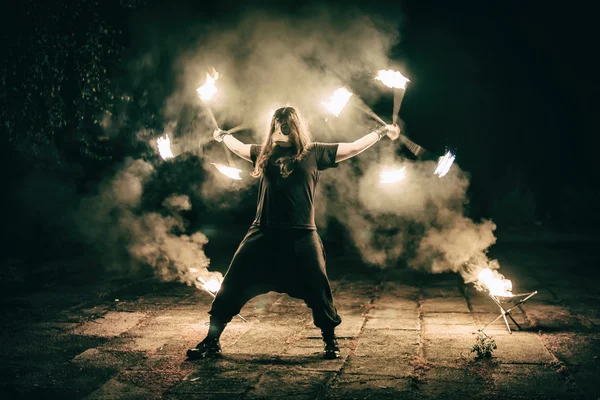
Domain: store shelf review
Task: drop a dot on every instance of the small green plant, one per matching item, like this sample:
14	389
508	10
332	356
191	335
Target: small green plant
484	346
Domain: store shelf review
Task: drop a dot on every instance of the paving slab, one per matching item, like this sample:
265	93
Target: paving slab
442	382
405	334
309	347
257	342
60	380
392	302
137	385
109	359
447	347
443	304
452	291
531	382
431	330
390	366
448	318
115	389
399	291
111	324
388	344
552	317
383	310
365	386
393	323
574	348
45	347
522	347
298	384
218	378
586	383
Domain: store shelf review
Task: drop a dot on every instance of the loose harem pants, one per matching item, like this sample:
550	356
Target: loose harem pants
284	260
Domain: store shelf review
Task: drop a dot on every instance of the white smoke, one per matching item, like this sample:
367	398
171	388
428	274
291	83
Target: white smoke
266	60
420	219
130	237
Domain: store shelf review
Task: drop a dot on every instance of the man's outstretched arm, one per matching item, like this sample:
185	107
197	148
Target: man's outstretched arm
349	150
238	148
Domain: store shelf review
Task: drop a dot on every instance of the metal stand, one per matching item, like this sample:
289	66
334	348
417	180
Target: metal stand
504	313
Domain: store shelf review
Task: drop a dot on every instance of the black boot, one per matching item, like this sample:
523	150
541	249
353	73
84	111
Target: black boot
332	350
208	348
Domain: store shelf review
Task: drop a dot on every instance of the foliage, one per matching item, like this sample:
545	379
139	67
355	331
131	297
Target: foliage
57	79
484	346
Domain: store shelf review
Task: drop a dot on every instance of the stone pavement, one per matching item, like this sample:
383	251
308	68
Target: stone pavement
404	335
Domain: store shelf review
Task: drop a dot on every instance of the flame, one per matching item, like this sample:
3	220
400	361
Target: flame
164	147
212	285
444	164
231	172
208	90
392	176
497	285
337	101
393	79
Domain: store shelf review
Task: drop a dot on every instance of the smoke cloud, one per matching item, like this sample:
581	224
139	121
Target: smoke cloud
266	60
419	220
116	222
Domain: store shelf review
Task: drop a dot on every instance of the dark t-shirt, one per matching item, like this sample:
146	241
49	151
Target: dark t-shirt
289	202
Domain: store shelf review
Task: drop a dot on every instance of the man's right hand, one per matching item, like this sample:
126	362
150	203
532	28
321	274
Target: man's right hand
393	131
218	135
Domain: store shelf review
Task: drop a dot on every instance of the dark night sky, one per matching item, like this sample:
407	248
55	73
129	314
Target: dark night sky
512	86
516	85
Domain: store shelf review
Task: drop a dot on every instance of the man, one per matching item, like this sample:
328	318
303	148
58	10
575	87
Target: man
282	250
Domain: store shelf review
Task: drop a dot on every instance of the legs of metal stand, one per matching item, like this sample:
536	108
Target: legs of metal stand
504	313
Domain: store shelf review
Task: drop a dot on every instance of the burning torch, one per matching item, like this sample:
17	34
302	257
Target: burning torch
206	93
396	81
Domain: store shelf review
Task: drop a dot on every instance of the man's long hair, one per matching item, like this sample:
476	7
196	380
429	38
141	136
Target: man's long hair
299	141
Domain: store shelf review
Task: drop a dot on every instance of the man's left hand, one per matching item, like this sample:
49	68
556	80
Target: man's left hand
393	131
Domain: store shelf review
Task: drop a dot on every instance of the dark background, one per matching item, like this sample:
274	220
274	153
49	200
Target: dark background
510	87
